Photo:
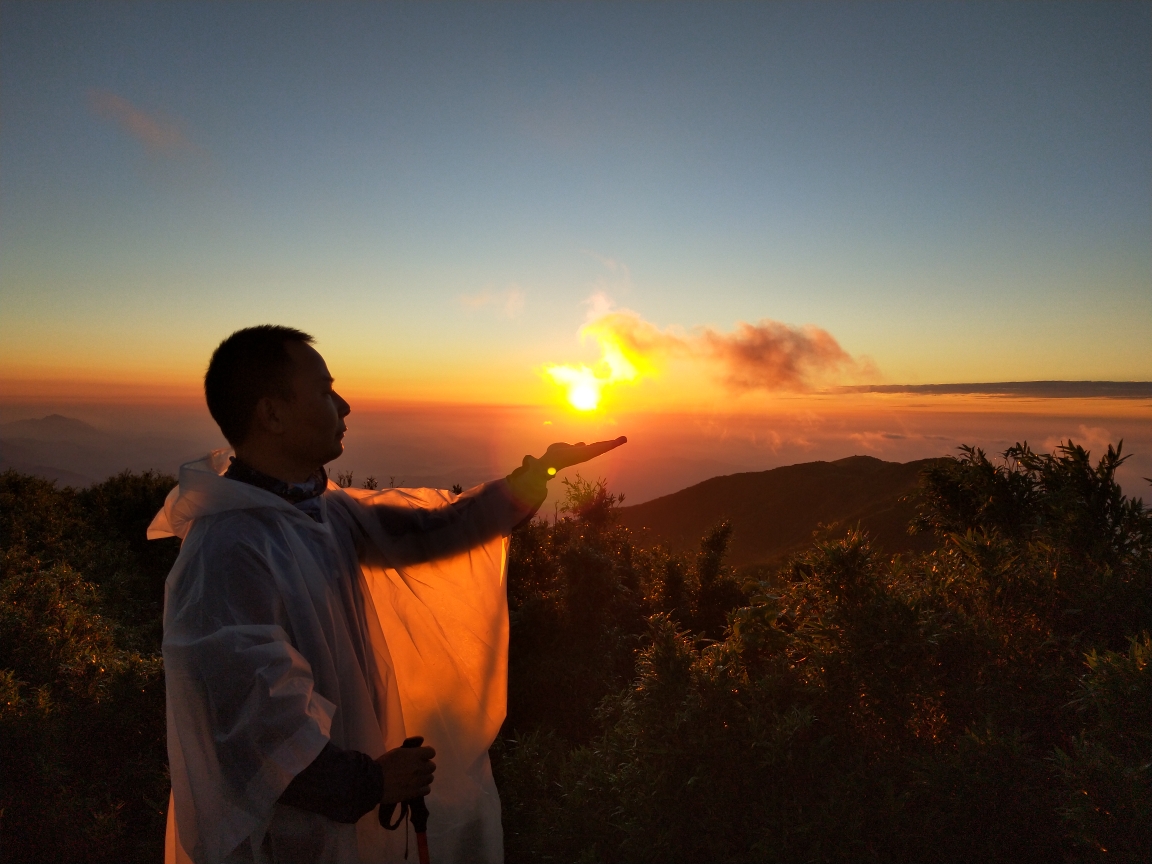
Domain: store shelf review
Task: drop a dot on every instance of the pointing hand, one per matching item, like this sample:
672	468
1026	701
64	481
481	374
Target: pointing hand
529	481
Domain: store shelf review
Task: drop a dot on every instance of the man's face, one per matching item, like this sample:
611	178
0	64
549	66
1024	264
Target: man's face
314	419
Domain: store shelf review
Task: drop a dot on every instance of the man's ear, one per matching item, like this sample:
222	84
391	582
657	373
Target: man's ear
269	415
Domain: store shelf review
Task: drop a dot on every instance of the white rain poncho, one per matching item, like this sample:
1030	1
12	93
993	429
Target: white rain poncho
387	619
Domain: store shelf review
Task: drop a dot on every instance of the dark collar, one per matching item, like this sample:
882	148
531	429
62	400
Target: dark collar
293	493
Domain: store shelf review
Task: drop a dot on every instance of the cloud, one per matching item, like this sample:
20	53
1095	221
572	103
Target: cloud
1094	439
159	135
509	303
878	440
768	356
618	279
599	305
642	342
1027	389
610	264
771	355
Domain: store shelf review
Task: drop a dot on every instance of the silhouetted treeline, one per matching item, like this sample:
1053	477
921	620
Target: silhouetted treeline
990	700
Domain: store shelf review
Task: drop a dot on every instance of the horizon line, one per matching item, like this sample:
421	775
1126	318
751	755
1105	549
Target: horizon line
25	396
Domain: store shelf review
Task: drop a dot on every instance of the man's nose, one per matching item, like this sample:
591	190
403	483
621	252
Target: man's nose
342	407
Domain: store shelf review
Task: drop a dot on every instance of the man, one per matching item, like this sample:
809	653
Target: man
309	630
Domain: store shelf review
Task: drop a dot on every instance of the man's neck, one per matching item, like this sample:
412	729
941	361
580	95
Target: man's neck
294	493
275	465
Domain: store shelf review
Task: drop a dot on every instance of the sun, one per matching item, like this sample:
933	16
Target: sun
580	382
584	396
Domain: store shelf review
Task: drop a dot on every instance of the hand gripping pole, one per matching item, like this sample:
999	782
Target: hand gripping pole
416	809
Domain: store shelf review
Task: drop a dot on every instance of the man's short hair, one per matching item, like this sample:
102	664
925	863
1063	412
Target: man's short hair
247	366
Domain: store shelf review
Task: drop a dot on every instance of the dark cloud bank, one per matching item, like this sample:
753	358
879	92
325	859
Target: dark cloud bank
1038	389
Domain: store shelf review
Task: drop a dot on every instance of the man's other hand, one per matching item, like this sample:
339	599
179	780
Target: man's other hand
407	773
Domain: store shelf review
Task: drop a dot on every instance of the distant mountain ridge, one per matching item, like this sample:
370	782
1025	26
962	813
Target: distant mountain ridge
54	427
75	453
774	513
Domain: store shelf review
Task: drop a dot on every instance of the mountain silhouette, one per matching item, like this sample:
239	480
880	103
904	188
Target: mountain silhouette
774	513
54	427
75	453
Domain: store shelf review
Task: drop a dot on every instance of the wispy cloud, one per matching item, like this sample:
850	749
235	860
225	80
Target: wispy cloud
878	441
599	305
509	303
1094	439
159	134
612	265
617	279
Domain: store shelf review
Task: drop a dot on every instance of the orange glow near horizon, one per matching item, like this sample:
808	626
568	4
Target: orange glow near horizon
585	392
110	390
447	440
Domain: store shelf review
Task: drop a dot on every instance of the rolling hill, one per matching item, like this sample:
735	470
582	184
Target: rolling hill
774	513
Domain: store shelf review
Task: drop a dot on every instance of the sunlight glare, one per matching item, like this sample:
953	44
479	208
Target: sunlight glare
619	361
584	396
582	384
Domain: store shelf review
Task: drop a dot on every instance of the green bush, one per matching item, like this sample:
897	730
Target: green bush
83	773
989	700
1106	770
986	701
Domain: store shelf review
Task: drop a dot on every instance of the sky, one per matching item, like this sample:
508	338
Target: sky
745	202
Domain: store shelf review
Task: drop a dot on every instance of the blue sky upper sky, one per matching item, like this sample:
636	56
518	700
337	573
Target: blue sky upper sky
959	192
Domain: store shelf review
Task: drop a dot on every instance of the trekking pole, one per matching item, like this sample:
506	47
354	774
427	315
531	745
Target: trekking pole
414	809
419	811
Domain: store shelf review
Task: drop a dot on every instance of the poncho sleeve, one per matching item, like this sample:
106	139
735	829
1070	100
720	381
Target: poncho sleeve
231	668
409	527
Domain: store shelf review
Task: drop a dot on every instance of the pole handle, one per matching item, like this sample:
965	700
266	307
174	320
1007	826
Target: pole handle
406	807
416	806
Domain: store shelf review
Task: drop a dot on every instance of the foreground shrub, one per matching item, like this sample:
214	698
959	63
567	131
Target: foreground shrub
82	753
990	700
1106	770
986	701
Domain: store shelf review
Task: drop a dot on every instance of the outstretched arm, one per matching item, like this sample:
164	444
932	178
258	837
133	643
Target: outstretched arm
414	533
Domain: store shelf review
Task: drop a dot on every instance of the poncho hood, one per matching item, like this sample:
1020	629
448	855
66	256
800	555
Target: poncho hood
203	491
